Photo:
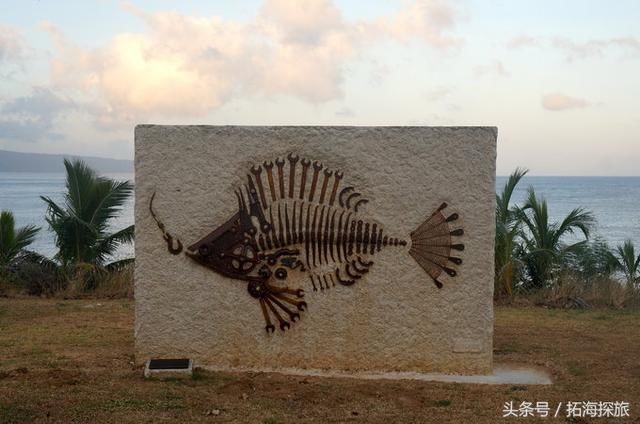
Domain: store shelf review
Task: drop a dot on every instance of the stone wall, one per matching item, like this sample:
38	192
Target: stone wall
394	318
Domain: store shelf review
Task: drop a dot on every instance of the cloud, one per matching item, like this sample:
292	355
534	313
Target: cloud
11	45
575	50
522	41
32	118
494	68
583	50
559	102
137	74
428	20
303	23
185	65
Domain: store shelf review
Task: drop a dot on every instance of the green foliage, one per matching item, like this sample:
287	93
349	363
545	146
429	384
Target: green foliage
22	269
507	264
81	224
531	250
13	242
543	246
38	278
591	261
628	262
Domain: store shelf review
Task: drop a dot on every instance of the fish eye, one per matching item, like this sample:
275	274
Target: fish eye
281	273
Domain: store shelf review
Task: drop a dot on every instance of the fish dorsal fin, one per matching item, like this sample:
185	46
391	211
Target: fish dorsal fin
300	179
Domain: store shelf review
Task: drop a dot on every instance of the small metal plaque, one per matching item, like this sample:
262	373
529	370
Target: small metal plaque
169	364
181	367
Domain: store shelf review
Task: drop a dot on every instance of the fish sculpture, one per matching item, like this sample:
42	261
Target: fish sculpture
301	219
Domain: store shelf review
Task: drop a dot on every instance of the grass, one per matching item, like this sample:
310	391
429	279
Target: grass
15	414
571	291
83	284
71	361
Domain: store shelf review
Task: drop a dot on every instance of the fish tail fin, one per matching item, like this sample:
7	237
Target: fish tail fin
433	241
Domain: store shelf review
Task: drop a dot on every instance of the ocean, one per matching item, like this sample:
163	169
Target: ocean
20	193
615	202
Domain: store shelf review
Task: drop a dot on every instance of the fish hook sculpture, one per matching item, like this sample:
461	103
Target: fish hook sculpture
318	230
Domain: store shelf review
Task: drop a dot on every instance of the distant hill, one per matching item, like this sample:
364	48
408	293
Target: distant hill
41	162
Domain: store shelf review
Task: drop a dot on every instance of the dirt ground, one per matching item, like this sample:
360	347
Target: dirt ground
71	361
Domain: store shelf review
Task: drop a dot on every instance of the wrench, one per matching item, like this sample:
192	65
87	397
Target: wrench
292	172
305	167
317	166
269	167
280	165
256	171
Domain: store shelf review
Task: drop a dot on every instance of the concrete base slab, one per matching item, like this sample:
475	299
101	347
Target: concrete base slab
502	374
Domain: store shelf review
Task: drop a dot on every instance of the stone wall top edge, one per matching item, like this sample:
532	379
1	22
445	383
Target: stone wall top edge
337	127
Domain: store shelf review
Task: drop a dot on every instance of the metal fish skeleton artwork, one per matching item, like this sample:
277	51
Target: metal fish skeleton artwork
301	219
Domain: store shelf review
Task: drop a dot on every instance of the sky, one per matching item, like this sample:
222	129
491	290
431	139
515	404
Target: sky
560	79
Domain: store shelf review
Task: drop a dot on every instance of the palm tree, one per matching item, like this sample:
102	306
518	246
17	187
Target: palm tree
13	242
628	262
543	247
81	224
507	228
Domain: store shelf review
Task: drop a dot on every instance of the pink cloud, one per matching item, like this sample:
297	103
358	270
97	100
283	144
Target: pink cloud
188	65
559	102
305	22
428	20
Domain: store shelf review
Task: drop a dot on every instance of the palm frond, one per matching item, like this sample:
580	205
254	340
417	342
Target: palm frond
79	184
82	223
111	196
108	245
25	236
7	228
578	218
507	264
13	241
544	251
504	199
628	263
34	257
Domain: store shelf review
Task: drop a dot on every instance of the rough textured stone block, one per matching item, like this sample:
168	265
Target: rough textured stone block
393	318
